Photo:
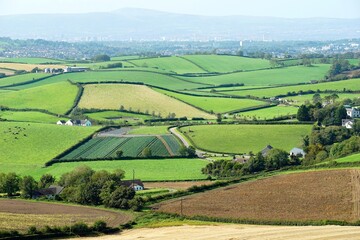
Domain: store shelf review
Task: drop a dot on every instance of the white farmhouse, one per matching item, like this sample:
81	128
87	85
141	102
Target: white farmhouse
353	112
61	122
348	123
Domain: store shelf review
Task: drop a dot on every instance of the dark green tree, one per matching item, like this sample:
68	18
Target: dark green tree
46	180
27	186
11	184
303	113
340	113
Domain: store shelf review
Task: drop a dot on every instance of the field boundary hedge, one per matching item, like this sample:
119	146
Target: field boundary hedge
27	82
77	98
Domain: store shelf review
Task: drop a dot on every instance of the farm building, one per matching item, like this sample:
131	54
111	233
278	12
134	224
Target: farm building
135	184
84	123
265	151
75	69
241	159
348	123
297	152
50	192
353	112
61	122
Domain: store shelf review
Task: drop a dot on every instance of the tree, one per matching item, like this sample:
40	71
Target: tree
316	98
356	127
46	180
218	118
303	113
340	113
101	58
191	151
120	197
256	163
27	186
119	153
11	184
276	158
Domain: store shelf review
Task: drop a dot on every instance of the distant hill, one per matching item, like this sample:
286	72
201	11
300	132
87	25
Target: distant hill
141	24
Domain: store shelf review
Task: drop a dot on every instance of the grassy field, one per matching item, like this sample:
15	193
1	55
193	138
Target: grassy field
32	144
321	195
218	63
134	98
269	113
29	116
289	75
8	81
351	158
56	98
174	64
299	100
152	130
146	170
216	105
98	65
32	60
150	78
352	84
246	138
118	117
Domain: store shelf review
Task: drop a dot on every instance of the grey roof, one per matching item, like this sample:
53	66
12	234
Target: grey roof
129	183
296	151
52	190
266	150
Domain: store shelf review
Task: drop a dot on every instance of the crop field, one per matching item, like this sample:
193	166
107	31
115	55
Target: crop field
56	98
319	195
352	84
106	147
245	138
301	99
29	116
32	60
118	117
136	98
216	104
28	67
20	215
146	170
25	144
174	64
7	72
288	75
269	113
8	81
221	64
151	130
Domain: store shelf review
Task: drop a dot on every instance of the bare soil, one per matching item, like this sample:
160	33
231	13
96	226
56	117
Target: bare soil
19	215
319	195
176	185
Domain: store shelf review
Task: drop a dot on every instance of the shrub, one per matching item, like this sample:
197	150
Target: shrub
80	229
99	226
32	230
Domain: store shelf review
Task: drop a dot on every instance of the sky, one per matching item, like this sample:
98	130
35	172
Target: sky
273	8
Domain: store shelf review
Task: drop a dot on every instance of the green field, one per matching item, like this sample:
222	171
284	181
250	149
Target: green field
246	138
8	81
352	84
269	113
351	158
98	65
299	100
29	116
118	117
56	98
173	64
146	170
107	147
135	98
223	63
288	75
215	104
152	130
33	144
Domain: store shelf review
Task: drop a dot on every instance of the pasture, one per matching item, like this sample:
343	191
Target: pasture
146	170
269	113
8	81
56	98
107	147
309	196
244	138
33	144
301	99
173	64
288	75
350	158
136	98
223	64
216	104
20	215
29	116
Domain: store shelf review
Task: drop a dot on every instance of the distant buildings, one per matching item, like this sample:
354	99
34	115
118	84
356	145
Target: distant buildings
353	112
297	152
75	69
84	123
266	150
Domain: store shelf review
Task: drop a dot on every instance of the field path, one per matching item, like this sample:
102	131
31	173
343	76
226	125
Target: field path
239	232
355	180
166	145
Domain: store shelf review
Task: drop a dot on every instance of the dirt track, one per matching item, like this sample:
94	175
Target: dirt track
239	232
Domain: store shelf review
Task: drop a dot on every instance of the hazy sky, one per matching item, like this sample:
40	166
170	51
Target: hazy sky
277	8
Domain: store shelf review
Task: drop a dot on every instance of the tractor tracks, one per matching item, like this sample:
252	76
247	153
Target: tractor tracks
355	182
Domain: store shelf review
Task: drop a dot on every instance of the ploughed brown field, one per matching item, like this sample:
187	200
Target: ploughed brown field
20	215
176	185
319	195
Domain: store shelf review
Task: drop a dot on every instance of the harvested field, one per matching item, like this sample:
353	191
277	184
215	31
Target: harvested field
176	185
239	232
20	215
320	195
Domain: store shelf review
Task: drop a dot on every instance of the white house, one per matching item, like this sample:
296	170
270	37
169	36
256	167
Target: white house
348	123
135	184
297	151
61	122
70	123
75	69
84	123
353	112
